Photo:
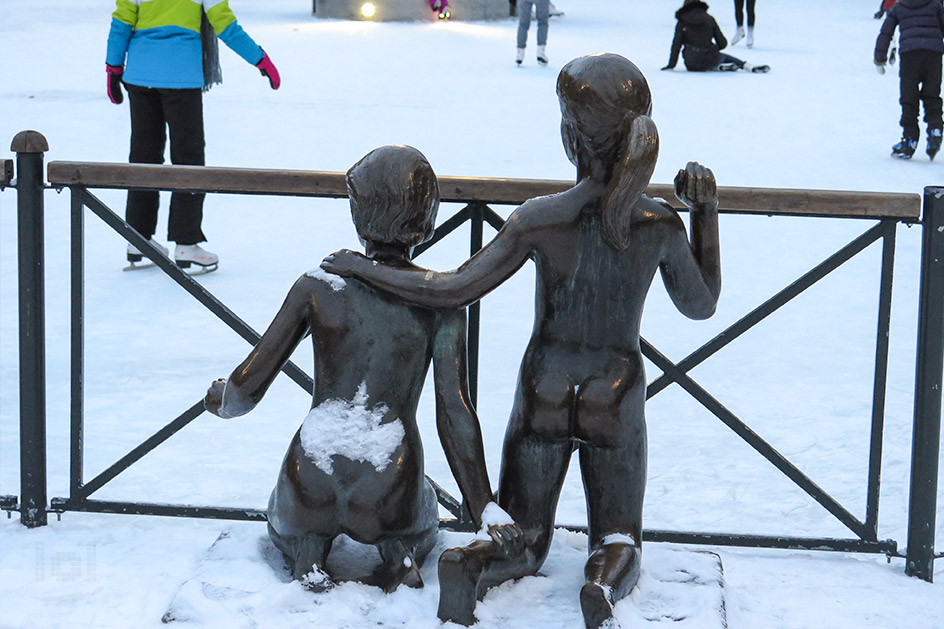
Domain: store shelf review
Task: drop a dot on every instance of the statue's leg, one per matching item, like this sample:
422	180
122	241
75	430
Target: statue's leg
305	554
614	481
399	566
460	570
532	474
403	555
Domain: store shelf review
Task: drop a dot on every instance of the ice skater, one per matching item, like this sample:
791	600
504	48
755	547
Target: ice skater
582	385
739	20
920	46
541	10
164	52
700	41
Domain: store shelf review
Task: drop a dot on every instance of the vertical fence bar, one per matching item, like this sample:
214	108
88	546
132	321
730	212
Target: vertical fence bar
881	377
77	410
29	147
476	219
929	373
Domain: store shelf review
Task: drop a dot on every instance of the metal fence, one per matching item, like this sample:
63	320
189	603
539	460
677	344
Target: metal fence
882	211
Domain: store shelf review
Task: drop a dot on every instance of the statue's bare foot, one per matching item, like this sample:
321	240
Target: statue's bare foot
309	556
612	571
399	567
597	606
458	581
317	581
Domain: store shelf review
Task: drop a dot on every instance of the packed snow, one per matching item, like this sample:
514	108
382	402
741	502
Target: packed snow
821	119
350	429
335	282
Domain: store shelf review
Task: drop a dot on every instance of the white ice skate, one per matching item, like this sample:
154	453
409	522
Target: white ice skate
542	56
750	37
187	255
519	56
738	35
136	259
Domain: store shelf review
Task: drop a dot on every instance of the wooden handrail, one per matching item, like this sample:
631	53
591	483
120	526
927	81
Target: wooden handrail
311	183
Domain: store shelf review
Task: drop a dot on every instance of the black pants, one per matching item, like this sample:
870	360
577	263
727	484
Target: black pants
153	111
920	75
739	12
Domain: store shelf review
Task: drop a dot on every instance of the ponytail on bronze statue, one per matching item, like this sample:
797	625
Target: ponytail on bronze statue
630	177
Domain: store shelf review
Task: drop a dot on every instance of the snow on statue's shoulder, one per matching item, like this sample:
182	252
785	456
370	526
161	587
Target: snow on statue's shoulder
336	282
350	429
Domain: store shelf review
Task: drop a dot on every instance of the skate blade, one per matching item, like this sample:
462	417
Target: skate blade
197	269
137	266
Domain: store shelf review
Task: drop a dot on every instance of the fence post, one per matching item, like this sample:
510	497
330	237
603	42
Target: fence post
476	236
29	147
926	440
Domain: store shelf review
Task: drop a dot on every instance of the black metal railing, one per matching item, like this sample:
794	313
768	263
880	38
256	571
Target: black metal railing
887	210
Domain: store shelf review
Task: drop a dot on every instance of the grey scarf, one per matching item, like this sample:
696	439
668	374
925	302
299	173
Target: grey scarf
212	73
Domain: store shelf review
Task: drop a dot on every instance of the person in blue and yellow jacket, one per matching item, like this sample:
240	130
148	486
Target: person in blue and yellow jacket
155	49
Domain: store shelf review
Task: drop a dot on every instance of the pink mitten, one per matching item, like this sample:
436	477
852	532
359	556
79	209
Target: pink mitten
114	83
268	70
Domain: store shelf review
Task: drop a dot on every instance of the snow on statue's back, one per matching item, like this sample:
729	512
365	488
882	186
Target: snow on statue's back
355	466
351	430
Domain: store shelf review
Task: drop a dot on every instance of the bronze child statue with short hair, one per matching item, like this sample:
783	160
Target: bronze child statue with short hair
355	466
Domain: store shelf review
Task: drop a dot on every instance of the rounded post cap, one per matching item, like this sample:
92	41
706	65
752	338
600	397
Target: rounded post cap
29	142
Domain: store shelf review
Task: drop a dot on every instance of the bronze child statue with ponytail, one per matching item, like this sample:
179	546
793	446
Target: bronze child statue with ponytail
582	386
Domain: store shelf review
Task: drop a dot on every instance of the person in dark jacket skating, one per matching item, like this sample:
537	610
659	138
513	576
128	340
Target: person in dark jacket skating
700	41
920	47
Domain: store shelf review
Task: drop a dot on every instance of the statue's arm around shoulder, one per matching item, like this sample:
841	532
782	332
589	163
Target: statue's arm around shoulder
488	268
691	270
249	382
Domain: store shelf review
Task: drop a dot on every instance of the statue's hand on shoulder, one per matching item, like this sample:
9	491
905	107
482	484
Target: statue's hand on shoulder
695	186
346	263
214	397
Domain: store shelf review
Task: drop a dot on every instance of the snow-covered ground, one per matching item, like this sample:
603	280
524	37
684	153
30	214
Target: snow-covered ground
821	119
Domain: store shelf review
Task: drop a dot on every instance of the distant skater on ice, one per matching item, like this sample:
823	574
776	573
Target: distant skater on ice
700	41
920	46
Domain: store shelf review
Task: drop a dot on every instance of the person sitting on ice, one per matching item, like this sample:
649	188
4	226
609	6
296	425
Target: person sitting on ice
355	466
700	41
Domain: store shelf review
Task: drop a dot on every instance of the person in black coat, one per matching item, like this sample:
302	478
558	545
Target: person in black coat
920	46
700	41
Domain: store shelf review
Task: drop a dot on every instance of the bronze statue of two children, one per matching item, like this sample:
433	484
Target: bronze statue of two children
377	321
